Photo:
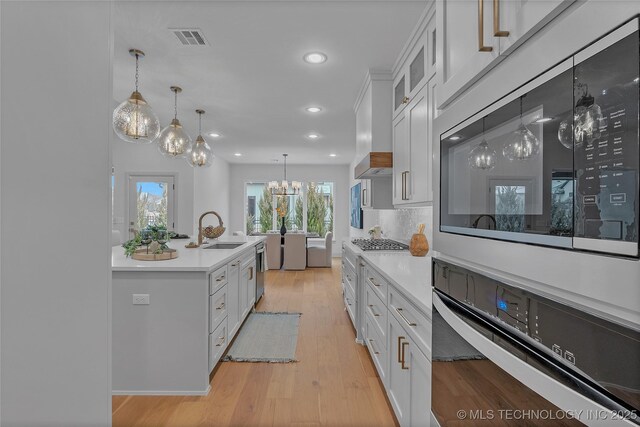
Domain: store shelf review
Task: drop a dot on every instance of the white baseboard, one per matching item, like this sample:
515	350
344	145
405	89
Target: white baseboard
161	392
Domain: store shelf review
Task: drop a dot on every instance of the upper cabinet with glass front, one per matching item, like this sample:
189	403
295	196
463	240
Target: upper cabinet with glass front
477	35
416	65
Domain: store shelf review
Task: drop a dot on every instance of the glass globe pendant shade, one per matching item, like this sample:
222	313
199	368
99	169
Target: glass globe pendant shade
523	145
200	154
134	121
565	133
482	157
174	140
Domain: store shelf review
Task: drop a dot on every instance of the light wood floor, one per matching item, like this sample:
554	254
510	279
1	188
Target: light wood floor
333	384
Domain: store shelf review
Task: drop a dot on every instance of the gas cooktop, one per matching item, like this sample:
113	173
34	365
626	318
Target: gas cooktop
379	245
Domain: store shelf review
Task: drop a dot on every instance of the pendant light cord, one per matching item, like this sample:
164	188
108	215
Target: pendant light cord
175	104
137	75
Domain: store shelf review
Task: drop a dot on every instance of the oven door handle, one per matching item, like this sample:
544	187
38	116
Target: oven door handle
592	397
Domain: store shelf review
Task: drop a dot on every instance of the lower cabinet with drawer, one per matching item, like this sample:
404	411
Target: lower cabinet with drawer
398	337
217	343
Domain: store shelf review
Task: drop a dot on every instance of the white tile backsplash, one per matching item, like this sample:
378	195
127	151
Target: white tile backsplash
396	224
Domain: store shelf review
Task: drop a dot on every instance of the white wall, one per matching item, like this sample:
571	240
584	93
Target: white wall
145	158
55	246
602	284
338	174
211	192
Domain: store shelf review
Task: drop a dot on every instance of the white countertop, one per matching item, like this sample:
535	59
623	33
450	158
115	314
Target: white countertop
197	259
411	275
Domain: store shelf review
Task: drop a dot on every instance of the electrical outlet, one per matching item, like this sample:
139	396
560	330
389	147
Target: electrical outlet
140	299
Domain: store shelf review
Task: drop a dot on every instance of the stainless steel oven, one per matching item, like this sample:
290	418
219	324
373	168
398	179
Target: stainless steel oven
502	355
556	162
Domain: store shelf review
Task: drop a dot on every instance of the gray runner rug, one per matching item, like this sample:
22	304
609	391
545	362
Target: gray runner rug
266	337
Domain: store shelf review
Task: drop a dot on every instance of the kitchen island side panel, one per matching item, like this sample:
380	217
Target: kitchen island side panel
160	348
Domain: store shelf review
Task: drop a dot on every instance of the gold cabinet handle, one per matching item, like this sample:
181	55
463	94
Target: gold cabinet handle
405	100
400	349
402	364
364	197
371	279
220	307
373	312
251	273
401	313
404	185
220	279
481	46
496	21
374	350
221	342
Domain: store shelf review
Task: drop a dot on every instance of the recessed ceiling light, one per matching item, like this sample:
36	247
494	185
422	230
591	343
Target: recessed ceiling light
313	136
455	138
214	135
333	155
238	154
313	109
544	119
315	57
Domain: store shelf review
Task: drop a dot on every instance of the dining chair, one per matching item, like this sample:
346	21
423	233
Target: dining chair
295	251
273	247
319	253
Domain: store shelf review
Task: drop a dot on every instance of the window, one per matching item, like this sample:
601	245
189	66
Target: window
151	201
311	210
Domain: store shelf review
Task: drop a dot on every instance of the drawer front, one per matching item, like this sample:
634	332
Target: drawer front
349	258
350	304
377	346
217	308
377	310
217	343
417	325
350	278
217	279
377	283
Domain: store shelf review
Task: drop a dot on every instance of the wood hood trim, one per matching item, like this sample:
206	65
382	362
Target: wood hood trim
373	163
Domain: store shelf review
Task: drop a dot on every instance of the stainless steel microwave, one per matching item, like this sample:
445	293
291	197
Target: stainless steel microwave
557	161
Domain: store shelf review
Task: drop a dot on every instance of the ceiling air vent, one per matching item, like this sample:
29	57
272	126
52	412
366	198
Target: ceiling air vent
189	36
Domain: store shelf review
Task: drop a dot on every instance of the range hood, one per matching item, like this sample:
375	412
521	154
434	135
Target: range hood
376	164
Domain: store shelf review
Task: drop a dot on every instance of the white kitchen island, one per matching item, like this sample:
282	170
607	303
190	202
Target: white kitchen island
172	320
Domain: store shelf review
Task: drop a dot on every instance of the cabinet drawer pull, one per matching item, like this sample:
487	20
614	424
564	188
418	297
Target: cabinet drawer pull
220	307
496	21
400	312
481	46
405	186
374	350
251	273
364	197
405	100
373	282
402	364
235	264
400	349
221	342
373	312
220	279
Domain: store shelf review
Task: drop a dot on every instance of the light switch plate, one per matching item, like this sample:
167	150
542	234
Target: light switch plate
140	299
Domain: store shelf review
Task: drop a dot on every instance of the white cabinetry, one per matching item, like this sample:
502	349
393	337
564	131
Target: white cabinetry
247	286
412	150
233	298
413	115
376	193
398	337
472	41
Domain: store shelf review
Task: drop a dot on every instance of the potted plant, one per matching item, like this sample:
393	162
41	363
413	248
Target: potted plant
154	237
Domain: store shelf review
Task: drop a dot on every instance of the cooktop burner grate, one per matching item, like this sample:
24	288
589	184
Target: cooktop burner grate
379	245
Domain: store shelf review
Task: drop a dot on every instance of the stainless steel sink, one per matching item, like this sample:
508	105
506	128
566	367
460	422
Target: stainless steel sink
221	245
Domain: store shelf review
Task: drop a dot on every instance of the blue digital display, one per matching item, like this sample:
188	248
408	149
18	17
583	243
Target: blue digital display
502	305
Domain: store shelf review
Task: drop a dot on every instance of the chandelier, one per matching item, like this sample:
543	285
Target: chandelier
283	188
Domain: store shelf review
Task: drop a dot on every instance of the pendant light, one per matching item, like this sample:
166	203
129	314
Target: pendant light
587	118
134	120
482	157
282	188
173	140
199	154
523	144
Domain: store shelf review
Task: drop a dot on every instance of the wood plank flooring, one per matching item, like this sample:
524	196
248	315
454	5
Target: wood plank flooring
333	384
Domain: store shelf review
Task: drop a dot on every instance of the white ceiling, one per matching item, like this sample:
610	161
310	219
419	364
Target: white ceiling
251	80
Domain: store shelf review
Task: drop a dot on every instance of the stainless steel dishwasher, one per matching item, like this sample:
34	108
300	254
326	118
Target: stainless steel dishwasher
260	268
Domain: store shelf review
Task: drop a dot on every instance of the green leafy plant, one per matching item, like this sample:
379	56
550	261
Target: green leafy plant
265	206
133	244
249	225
